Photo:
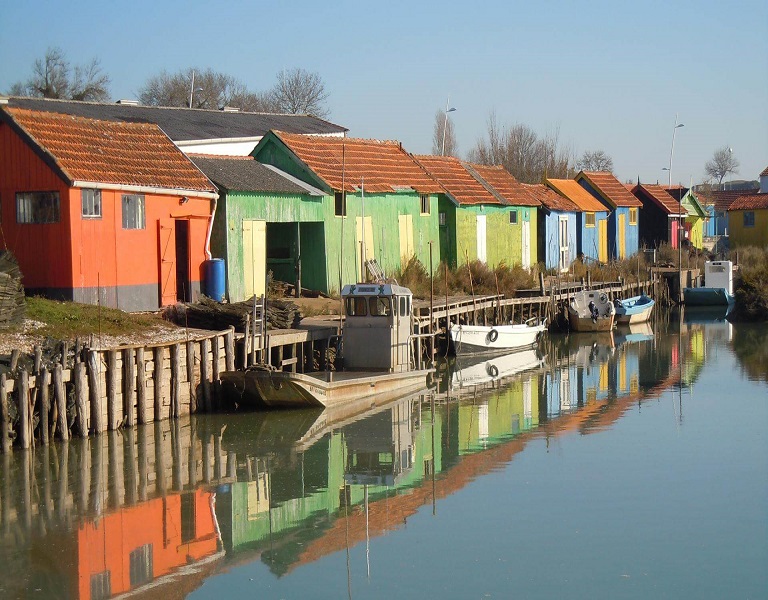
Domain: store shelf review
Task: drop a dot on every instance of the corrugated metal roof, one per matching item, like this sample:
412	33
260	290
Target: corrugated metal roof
577	194
89	150
185	124
610	187
248	175
383	166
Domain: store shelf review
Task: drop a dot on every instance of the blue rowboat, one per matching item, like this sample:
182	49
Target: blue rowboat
634	310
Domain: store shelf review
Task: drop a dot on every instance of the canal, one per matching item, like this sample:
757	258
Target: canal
631	465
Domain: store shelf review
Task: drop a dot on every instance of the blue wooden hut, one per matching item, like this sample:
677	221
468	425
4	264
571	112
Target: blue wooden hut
557	228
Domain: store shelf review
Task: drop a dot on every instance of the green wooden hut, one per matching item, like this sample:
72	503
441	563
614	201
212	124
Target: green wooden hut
484	214
378	202
265	221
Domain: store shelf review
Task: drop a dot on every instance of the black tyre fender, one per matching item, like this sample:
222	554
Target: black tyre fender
493	335
492	370
603	298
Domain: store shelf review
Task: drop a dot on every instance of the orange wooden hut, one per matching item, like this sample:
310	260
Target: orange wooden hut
102	212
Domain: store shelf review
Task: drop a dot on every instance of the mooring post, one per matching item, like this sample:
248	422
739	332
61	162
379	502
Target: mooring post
175	376
129	380
5	439
78	375
141	386
157	378
94	392
204	343
43	385
60	394
112	418
229	349
191	376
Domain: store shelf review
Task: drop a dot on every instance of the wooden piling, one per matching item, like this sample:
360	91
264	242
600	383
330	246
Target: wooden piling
129	380
157	376
175	383
204	376
112	414
229	349
80	402
141	387
22	395
94	392
60	394
5	439
45	404
191	376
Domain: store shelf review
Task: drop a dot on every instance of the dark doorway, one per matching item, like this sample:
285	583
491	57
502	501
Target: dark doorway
182	261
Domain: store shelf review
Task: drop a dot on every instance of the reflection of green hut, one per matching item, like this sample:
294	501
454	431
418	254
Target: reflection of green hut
509	411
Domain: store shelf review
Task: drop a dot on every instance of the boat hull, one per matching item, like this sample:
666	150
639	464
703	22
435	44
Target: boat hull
469	339
471	372
588	324
262	388
707	296
634	310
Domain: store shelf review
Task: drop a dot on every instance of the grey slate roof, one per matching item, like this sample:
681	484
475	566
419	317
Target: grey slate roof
249	175
184	124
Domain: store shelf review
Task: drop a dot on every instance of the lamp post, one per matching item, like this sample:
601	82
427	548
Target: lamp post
680	227
445	122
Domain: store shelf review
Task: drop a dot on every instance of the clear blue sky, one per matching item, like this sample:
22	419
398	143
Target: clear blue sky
606	75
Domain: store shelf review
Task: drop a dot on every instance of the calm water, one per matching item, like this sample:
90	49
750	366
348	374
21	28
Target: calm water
624	466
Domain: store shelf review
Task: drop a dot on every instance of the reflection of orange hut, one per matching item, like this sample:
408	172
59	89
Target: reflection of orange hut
137	545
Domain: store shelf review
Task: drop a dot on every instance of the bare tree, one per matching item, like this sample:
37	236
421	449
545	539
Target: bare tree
596	160
194	88
444	137
300	92
721	164
52	77
522	152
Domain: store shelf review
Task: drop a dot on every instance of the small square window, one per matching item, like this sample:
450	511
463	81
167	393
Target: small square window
425	204
749	218
91	201
442	219
340	204
589	219
513	217
633	216
133	211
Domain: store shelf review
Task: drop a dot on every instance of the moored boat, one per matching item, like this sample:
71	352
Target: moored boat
469	339
376	358
637	309
718	286
591	311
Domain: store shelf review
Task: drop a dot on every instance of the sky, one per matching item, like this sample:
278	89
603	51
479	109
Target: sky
611	76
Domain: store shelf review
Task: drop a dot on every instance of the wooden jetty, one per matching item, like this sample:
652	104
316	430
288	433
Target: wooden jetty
127	386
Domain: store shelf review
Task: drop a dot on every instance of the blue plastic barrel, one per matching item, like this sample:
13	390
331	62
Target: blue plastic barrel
214	278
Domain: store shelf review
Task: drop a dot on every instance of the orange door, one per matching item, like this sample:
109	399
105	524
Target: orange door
167	241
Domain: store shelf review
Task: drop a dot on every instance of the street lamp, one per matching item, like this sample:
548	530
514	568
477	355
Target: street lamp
445	123
680	227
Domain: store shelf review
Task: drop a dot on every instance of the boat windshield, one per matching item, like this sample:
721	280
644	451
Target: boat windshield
357	306
381	306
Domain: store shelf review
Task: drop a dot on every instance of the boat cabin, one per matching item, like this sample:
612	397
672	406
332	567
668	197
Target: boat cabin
378	327
719	274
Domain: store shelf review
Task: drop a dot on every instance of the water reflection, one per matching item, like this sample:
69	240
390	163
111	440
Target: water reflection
165	506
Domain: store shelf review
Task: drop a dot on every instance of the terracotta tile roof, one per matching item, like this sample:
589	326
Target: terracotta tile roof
750	202
764	172
550	198
659	196
505	184
721	199
577	194
609	187
383	166
136	154
460	183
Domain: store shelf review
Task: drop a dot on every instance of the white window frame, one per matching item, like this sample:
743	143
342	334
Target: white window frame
90	200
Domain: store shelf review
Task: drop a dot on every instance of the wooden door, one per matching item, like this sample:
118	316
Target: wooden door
602	240
254	257
167	251
564	258
526	244
481	242
406	238
621	235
